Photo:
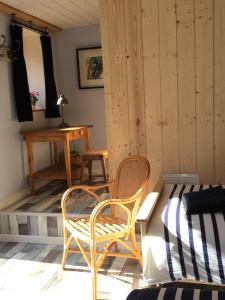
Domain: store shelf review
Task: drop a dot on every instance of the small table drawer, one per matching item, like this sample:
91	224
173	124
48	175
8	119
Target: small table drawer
79	133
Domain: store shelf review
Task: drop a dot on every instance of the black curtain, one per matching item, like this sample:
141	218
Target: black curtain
21	87
52	109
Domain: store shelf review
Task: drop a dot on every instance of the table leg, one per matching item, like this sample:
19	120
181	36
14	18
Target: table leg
56	153
89	171
30	164
83	162
67	161
87	139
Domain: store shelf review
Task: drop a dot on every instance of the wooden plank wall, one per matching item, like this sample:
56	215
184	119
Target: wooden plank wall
164	70
123	73
219	89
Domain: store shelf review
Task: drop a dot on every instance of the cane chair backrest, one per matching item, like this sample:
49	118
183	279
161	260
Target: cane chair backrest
131	181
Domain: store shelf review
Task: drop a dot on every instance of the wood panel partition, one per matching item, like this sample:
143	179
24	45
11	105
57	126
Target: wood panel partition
164	71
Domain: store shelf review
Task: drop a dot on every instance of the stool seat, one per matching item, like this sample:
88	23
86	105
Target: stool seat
96	152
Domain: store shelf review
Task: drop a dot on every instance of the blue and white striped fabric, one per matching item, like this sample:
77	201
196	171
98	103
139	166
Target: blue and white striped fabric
175	294
190	247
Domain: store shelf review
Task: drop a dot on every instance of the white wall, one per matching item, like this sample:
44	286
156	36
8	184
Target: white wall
13	159
85	106
34	64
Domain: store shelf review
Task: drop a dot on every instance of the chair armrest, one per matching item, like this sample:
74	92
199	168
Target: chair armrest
67	194
108	202
149	203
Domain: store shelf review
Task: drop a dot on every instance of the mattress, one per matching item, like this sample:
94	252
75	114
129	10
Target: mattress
175	294
181	247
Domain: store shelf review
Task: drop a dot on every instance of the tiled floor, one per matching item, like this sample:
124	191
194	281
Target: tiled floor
33	271
48	199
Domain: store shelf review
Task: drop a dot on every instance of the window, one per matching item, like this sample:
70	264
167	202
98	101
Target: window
34	64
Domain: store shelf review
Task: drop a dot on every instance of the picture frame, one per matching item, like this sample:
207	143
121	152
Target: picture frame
90	67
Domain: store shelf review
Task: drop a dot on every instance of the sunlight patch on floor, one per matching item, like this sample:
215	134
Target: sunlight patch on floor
35	279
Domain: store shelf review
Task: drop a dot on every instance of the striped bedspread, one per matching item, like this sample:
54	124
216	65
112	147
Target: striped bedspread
175	294
180	247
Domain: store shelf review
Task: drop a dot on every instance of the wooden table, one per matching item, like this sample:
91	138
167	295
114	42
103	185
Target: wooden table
55	135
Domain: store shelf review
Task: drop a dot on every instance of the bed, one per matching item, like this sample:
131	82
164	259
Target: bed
177	247
175	294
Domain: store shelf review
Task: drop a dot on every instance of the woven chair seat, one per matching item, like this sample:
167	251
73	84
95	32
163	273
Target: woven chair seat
106	227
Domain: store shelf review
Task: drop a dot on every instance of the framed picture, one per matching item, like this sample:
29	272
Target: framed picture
90	67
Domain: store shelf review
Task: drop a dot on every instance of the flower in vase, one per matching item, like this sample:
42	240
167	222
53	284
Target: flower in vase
34	98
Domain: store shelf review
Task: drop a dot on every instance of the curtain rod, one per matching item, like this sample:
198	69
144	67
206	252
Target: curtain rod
29	26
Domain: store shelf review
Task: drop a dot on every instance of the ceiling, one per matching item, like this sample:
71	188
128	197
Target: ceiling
62	13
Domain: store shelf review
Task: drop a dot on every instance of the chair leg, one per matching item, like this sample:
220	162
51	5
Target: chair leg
82	170
94	285
64	258
65	249
104	172
93	272
90	171
115	245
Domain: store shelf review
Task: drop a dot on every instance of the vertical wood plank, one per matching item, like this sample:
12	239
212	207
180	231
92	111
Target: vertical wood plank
168	69
116	25
135	81
22	219
204	89
13	223
151	57
219	89
23	224
186	85
60	225
42	226
52	228
4	222
33	225
107	87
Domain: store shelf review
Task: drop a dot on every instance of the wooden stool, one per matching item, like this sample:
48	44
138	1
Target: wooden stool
87	158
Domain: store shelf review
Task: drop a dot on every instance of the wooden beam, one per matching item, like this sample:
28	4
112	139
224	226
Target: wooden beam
25	17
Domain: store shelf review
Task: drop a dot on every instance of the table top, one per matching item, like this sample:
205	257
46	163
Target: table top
55	130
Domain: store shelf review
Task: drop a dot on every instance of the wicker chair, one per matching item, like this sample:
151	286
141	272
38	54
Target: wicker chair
127	192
